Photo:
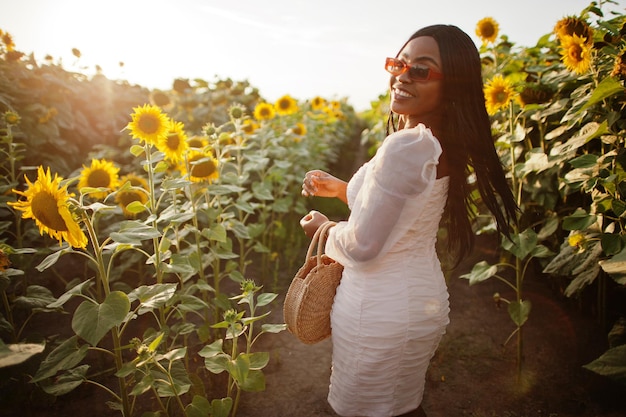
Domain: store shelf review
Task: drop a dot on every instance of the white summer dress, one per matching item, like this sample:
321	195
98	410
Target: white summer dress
391	308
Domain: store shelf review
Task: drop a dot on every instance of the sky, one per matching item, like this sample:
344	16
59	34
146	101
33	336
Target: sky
304	48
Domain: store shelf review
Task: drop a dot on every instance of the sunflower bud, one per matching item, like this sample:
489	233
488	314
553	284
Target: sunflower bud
11	118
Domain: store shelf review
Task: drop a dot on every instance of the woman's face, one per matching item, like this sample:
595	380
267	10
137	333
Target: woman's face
418	101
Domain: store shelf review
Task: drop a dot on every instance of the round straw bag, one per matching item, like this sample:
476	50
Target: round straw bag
311	293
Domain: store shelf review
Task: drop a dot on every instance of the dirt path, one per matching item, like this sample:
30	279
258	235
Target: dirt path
471	374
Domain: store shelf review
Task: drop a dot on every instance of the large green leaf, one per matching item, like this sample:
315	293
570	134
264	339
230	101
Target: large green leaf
221	407
607	87
611	364
480	272
579	220
152	297
66	382
522	244
66	356
199	407
133	232
92	321
78	289
17	353
519	311
616	267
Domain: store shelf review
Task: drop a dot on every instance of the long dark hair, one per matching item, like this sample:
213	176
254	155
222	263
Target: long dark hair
467	142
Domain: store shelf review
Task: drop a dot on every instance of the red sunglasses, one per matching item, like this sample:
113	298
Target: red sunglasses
397	67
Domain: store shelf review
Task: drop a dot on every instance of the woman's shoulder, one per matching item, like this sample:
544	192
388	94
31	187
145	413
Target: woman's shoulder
416	139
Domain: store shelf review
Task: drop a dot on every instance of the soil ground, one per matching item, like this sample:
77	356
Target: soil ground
472	373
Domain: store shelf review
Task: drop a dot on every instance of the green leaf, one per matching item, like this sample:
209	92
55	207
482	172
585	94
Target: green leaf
607	87
66	382
14	354
36	297
611	364
217	364
176	354
258	360
144	385
135	207
616	267
584	161
212	350
52	259
66	356
611	243
273	328
134	232
522	244
480	272
580	220
519	311
254	382
78	289
221	407
199	407
92	321
152	297
178	374
265	298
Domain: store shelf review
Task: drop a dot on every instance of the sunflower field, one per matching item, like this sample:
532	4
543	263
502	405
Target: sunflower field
146	236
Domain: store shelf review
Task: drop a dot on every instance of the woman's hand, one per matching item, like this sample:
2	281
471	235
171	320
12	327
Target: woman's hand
322	184
312	221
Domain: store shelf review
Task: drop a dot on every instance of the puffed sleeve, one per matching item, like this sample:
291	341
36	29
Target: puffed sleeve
404	167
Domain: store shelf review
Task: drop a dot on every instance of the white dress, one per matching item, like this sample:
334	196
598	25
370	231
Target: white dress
391	308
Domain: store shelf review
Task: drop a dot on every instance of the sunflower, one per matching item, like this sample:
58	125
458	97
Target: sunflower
201	167
174	144
498	94
11	118
100	174
536	93
47	202
619	67
7	40
249	126
264	111
487	29
148	124
318	103
576	54
130	195
286	105
197	142
299	129
569	26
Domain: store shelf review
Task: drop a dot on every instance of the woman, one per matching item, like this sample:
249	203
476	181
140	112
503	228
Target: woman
391	308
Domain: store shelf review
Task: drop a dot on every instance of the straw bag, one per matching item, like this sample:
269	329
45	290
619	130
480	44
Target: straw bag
312	291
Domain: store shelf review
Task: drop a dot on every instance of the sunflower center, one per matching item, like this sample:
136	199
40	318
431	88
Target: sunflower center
99	178
44	207
148	124
500	96
128	197
487	30
576	53
203	169
173	141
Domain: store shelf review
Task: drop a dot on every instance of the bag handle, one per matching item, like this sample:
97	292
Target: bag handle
319	240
